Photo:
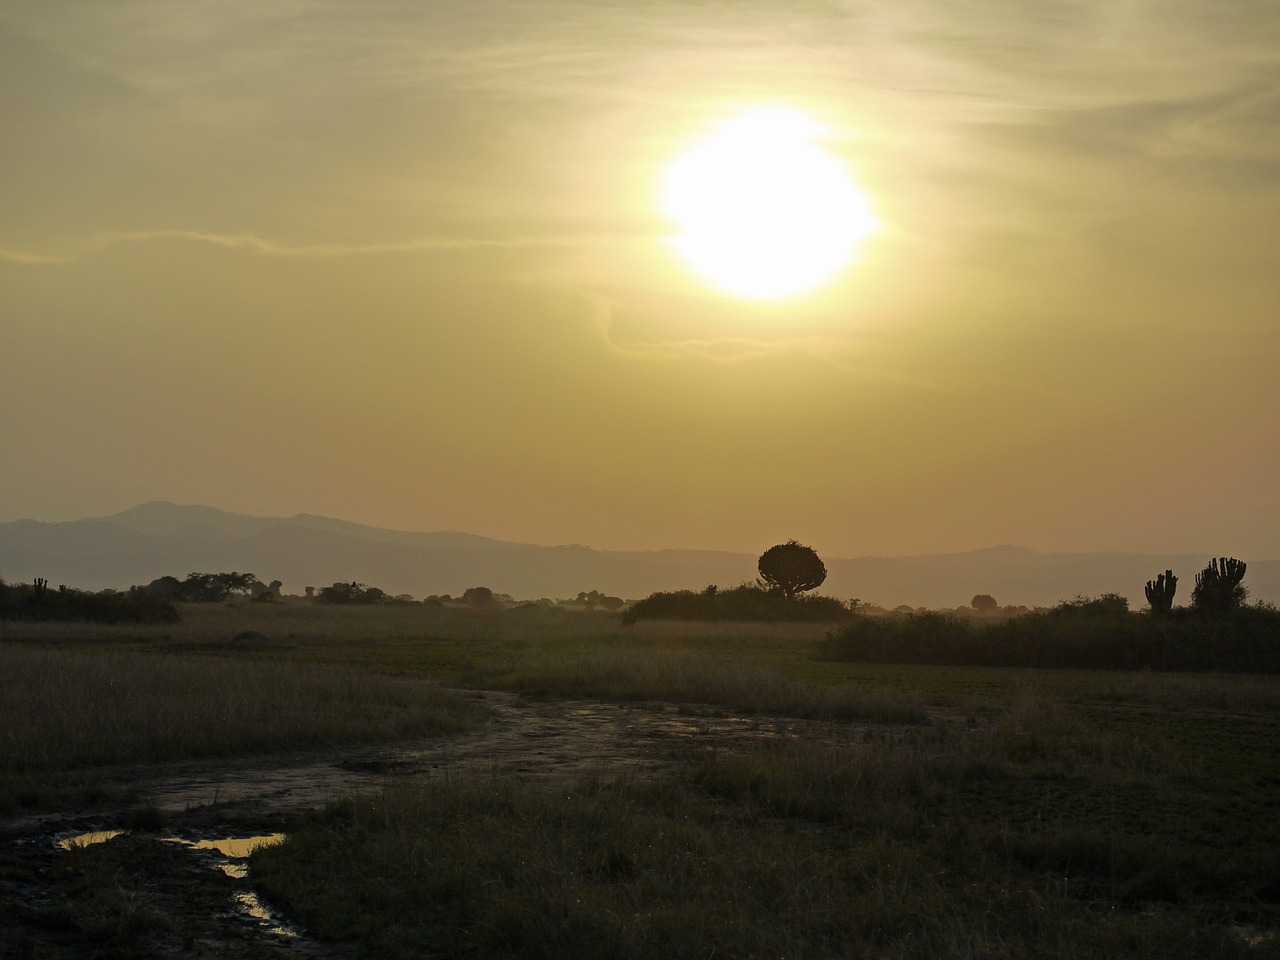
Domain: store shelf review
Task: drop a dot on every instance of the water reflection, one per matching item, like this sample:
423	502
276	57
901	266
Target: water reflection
88	839
236	847
248	903
229	850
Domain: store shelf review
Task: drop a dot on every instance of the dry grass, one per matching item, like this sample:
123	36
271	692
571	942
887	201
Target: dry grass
685	677
841	862
61	710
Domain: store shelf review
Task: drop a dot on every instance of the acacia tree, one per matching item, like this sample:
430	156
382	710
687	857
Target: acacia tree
984	602
791	568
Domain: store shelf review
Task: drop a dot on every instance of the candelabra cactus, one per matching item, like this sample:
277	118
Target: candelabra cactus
40	587
1218	586
1160	592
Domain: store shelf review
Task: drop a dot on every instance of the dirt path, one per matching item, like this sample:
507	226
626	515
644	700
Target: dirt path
534	740
527	739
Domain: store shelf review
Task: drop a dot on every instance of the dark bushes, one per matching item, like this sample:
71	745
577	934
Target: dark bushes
1084	634
204	587
747	602
37	602
352	592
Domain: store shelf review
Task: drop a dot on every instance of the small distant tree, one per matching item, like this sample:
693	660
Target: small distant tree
1219	586
216	587
791	568
478	597
591	599
165	588
984	602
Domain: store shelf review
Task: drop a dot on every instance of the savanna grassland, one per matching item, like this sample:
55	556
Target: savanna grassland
926	811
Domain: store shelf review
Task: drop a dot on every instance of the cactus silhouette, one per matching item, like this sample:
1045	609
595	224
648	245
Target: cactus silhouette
41	587
1160	592
1218	586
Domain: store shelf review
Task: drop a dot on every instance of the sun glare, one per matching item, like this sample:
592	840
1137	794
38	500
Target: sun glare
763	211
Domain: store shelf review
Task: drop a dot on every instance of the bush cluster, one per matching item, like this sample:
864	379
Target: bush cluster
1083	634
37	602
747	602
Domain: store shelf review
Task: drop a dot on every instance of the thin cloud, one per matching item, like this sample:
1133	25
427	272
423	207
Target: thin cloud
27	259
270	248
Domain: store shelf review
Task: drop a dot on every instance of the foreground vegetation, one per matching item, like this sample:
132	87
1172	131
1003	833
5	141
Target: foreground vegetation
939	811
68	713
1037	834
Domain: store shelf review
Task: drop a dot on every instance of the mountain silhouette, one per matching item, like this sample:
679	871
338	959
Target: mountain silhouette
158	538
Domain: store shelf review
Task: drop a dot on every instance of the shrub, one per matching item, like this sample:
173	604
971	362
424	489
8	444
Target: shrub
1084	633
352	592
38	602
745	603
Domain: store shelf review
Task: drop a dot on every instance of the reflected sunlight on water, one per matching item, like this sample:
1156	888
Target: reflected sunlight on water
88	839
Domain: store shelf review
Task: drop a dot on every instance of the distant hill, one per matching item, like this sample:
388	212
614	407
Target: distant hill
159	538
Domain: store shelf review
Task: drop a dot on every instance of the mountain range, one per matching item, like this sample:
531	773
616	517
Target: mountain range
158	538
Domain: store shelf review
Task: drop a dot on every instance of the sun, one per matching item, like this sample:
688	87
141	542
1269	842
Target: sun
763	211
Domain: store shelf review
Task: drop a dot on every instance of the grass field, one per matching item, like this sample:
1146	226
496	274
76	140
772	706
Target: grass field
1041	835
954	812
64	714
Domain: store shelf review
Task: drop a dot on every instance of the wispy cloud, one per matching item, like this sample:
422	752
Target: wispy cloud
263	246
27	259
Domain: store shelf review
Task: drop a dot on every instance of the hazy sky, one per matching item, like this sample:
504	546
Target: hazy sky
405	263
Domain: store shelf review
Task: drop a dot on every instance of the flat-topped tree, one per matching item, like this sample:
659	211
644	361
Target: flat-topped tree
1160	592
791	568
1219	586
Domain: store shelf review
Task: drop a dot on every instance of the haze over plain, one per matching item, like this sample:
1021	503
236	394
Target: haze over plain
405	264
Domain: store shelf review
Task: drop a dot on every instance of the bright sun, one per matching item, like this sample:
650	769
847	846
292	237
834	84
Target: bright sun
763	211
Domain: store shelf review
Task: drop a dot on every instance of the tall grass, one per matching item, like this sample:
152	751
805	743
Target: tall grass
634	870
61	710
1039	833
675	676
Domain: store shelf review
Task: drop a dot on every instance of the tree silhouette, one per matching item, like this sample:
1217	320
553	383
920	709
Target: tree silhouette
791	568
1160	592
984	602
1218	586
478	596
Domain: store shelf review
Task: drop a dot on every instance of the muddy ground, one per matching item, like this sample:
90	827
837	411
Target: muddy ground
149	893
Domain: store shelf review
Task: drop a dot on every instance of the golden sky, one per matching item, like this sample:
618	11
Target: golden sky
406	263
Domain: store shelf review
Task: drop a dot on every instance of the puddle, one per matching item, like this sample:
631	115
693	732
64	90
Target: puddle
235	847
230	853
87	839
248	904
